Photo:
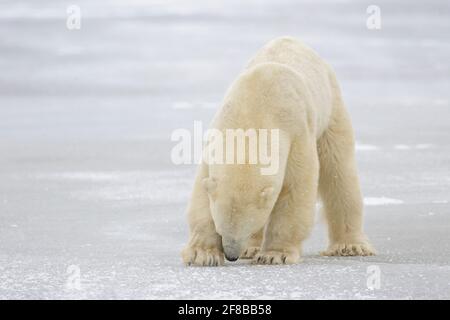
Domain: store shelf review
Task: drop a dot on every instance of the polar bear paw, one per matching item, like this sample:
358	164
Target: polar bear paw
196	256
349	249
249	253
276	257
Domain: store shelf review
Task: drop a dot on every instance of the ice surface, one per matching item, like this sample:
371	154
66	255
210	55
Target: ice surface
372	201
86	181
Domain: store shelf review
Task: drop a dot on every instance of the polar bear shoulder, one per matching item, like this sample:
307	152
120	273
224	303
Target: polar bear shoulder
316	78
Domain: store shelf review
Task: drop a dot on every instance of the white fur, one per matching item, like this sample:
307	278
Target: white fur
236	210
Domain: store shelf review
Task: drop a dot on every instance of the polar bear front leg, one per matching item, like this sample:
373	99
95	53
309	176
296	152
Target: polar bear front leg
292	218
205	244
340	191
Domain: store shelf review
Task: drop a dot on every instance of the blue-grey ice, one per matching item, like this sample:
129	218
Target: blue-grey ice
91	205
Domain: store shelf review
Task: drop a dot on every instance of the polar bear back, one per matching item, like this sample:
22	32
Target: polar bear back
317	76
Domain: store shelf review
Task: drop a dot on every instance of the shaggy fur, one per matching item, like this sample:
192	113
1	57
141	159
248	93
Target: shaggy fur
238	212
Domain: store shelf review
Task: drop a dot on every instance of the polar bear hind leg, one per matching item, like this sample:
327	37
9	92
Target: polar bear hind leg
339	188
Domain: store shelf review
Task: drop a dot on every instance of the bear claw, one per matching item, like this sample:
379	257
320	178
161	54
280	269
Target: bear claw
275	257
249	253
349	249
202	257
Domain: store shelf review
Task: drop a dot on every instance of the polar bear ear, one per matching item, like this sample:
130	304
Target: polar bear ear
210	184
266	193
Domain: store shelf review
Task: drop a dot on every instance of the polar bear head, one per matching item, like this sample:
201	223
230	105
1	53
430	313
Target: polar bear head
241	200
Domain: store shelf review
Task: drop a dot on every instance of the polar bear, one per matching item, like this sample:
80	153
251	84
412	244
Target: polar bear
238	212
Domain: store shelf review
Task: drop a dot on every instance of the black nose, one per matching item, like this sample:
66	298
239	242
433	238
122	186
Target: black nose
231	258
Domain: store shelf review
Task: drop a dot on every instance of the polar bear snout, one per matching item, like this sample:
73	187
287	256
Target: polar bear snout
231	258
231	248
